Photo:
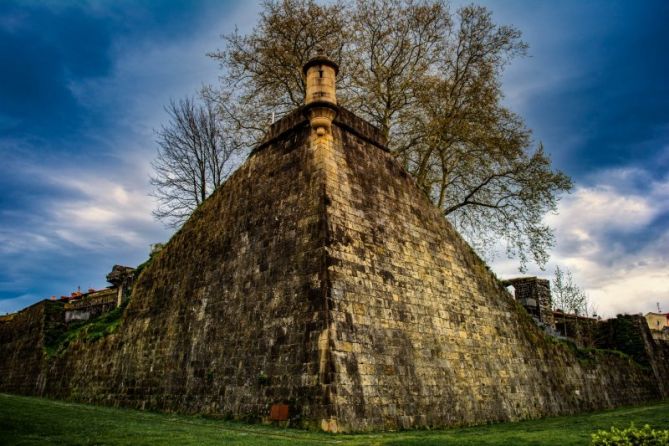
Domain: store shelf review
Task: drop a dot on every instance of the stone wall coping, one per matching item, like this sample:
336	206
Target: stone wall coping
40	302
345	119
519	280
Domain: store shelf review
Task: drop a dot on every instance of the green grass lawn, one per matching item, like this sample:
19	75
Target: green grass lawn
35	421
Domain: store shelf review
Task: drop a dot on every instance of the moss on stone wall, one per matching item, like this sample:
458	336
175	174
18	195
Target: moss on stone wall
84	331
623	334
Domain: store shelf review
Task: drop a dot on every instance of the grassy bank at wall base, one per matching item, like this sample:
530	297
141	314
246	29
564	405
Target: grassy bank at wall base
35	421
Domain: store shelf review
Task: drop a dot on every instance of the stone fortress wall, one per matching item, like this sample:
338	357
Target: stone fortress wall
320	277
423	334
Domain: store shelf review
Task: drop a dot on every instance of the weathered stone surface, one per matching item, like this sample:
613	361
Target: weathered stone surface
534	295
23	361
321	277
234	296
423	334
631	335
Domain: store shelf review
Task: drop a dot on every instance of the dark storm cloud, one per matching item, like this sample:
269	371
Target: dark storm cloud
42	50
608	107
46	48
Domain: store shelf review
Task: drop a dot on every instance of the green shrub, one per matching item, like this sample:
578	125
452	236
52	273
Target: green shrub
85	331
632	436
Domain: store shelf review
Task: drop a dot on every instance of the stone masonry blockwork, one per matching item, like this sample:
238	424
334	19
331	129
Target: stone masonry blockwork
424	334
320	276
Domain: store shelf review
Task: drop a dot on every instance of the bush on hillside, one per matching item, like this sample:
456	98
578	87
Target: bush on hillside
632	436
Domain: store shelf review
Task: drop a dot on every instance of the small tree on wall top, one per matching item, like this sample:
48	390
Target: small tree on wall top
566	295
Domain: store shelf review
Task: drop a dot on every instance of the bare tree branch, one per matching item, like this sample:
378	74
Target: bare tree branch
194	157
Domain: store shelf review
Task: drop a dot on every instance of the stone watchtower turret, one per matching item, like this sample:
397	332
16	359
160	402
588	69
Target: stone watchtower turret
320	99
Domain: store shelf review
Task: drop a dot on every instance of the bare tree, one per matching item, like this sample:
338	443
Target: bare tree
430	80
566	295
194	157
572	301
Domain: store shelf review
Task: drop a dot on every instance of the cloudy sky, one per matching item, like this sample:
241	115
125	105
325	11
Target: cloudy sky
83	85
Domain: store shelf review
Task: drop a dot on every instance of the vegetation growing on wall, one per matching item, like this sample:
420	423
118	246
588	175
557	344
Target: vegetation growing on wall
54	326
84	331
623	334
588	355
